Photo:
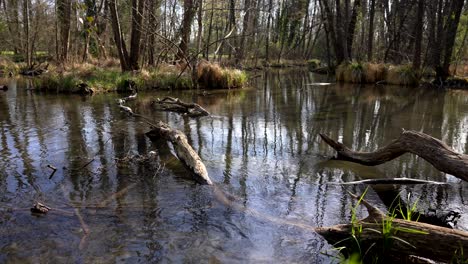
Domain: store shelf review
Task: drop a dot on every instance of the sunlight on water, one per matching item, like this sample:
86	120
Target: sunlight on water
261	148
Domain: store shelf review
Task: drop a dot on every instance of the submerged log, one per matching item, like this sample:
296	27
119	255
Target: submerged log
176	105
401	181
183	149
434	151
407	237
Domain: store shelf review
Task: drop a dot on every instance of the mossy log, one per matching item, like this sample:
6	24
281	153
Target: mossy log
434	151
176	105
408	238
183	149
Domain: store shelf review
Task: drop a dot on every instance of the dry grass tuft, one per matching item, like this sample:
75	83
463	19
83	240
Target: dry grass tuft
401	75
212	76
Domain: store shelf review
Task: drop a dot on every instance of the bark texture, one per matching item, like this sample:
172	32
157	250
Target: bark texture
429	241
434	151
175	105
184	151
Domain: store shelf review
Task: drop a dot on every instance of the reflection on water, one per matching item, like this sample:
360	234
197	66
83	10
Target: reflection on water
261	148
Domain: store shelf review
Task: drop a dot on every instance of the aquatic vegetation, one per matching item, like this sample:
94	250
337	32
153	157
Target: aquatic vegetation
352	248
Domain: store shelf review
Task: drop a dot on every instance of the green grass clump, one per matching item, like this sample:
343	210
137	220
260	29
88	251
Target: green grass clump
171	80
352	72
7	66
313	64
355	249
402	75
57	83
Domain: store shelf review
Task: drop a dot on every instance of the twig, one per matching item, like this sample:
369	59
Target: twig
117	195
83	224
54	169
87	163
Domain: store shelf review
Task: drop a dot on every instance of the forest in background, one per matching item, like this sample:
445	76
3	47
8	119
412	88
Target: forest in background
429	34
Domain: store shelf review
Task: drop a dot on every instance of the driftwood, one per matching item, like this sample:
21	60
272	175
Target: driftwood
434	151
176	105
35	70
183	149
40	208
407	237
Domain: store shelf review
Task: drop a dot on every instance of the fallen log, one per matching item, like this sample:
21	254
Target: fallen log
176	105
434	151
183	149
407	237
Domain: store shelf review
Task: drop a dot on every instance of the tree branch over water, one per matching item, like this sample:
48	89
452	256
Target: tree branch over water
434	151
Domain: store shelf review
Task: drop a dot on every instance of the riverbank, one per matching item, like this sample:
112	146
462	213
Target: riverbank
403	75
106	76
89	78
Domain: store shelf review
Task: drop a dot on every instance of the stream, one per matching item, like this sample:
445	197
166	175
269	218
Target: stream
262	150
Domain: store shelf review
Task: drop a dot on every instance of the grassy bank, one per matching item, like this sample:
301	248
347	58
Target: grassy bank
359	72
7	66
100	79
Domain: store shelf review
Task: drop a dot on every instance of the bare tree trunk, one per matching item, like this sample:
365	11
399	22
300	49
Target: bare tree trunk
189	15
453	20
64	14
27	48
210	27
352	28
118	38
200	25
418	36
341	34
151	36
267	42
10	8
135	38
370	40
245	30
333	32
232	20
87	26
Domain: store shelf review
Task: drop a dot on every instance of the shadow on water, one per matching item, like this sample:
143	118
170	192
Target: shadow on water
261	147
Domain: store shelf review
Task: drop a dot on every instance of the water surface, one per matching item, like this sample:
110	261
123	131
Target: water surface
261	148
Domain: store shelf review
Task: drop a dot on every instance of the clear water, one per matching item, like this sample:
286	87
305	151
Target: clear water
261	148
